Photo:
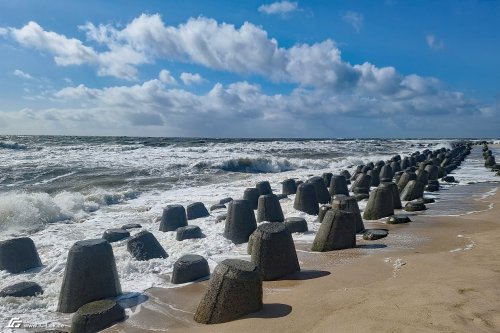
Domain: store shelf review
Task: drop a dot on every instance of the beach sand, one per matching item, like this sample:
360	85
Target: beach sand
436	274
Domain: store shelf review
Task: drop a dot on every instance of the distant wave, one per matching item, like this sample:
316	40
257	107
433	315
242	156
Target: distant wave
31	211
12	145
256	165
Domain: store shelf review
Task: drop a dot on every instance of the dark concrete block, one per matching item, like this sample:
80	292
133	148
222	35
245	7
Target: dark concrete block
18	255
273	251
145	246
90	275
240	221
234	290
189	267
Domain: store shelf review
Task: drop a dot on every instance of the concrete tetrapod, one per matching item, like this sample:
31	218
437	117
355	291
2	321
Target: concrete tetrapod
413	190
173	217
322	211
90	275
22	289
18	254
288	186
189	267
234	290
336	232
396	200
144	246
338	185
305	199
264	187
240	221
96	316
273	251
269	209
196	210
320	188
405	178
296	224
380	204
252	194
349	204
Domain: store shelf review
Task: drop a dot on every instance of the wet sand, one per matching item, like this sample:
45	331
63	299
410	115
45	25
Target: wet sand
436	274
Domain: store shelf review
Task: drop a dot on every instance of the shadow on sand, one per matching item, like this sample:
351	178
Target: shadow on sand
271	310
306	274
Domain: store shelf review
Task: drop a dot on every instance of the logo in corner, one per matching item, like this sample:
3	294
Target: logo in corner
14	322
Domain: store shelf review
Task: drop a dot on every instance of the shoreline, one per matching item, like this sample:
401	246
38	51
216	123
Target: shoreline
437	273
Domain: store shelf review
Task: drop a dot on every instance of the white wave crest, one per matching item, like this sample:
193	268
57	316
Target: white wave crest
256	165
12	145
31	211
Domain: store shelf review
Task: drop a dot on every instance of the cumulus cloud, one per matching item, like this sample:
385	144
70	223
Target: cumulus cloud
281	8
166	77
433	42
23	75
66	51
323	83
190	78
354	19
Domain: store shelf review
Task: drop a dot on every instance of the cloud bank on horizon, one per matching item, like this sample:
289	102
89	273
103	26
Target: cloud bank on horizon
319	93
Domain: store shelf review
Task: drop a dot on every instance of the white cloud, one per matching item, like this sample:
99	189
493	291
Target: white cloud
325	85
354	19
21	74
3	31
166	77
433	42
281	8
66	51
190	78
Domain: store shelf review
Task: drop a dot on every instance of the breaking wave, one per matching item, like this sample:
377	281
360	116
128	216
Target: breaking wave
31	211
12	145
257	165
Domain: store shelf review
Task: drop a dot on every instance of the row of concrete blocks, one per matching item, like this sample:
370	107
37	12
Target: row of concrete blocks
489	160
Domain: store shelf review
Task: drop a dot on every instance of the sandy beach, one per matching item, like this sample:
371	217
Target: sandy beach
436	274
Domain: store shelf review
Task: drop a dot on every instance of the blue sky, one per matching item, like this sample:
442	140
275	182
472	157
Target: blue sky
251	68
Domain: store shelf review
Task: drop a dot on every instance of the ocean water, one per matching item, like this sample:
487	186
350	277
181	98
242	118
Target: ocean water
59	190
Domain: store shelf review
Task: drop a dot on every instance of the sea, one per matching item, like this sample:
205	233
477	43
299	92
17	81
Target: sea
62	189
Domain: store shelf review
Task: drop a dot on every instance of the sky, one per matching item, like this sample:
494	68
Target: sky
225	68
